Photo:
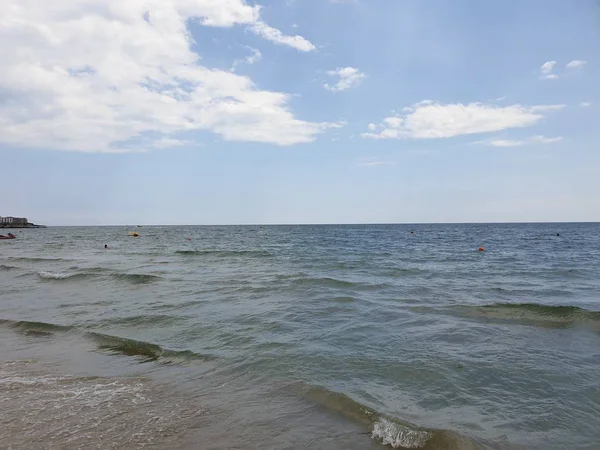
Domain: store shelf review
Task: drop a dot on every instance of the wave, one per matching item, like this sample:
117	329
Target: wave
389	430
134	278
536	314
44	275
343	299
161	319
34	259
399	273
336	283
35	328
225	253
567	314
146	351
399	436
6	268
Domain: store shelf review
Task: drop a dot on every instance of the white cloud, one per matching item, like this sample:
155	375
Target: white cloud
544	108
254	57
546	71
276	36
101	75
576	63
585	104
503	143
166	142
548	66
430	120
348	78
539	139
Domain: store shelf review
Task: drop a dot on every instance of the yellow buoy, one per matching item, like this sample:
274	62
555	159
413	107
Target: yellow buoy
134	233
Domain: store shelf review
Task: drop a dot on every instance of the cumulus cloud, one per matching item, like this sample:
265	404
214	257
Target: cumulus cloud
546	71
103	75
576	64
539	139
348	77
431	120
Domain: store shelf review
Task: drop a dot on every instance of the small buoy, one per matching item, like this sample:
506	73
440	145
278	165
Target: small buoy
558	234
481	249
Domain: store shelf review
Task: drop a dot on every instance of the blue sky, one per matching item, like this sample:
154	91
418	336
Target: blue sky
299	111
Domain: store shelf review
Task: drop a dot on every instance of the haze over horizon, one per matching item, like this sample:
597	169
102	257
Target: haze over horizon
299	111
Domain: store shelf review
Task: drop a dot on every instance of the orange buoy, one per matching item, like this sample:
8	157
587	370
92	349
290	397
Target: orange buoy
481	249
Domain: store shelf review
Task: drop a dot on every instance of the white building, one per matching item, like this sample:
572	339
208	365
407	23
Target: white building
13	221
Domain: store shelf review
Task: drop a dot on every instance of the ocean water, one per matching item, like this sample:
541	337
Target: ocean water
301	337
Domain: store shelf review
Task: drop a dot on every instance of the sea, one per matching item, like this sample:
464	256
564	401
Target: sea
301	337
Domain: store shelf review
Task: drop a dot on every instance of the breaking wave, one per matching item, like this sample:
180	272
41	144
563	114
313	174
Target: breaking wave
44	275
389	430
134	278
399	436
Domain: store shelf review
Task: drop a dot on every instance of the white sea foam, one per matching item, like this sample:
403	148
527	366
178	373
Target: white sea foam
399	436
88	412
55	275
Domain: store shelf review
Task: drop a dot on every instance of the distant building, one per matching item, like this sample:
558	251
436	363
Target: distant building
13	221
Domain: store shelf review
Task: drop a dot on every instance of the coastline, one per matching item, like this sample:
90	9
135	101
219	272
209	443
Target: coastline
29	225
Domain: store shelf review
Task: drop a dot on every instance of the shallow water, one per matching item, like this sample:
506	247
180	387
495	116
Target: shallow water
336	337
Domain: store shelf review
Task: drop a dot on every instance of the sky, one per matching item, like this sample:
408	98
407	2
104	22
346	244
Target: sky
299	111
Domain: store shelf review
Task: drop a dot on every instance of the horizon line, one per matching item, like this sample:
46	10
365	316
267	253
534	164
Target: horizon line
328	224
